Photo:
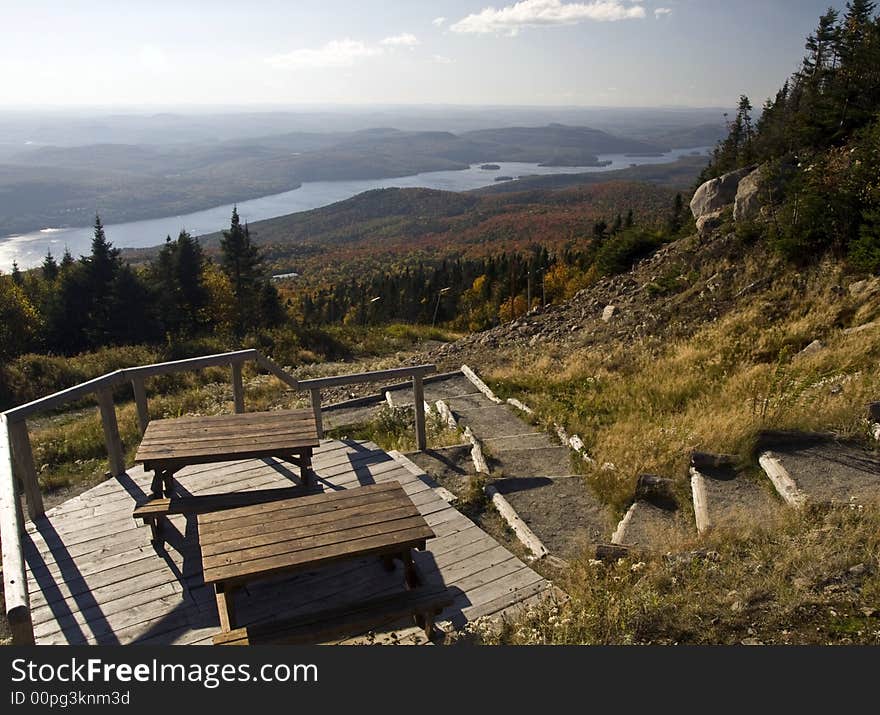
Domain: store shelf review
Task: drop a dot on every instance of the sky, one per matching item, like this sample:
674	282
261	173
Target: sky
698	53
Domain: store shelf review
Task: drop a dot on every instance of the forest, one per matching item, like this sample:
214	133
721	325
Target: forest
818	140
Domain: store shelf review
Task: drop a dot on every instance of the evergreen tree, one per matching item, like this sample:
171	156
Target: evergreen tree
240	261
16	275
49	268
66	260
100	270
177	274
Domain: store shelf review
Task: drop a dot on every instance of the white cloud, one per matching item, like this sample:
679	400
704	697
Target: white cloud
336	53
662	11
442	59
511	19
405	39
153	59
438	21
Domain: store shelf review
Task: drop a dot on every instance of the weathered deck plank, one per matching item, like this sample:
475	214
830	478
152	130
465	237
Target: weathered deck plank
94	577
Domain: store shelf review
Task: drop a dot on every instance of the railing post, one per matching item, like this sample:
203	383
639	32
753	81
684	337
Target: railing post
111	432
315	395
419	397
23	457
15	583
140	399
237	388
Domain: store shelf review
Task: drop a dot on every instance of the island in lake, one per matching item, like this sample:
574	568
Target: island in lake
503	178
490	167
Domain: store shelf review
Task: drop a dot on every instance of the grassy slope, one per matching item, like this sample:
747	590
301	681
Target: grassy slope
703	355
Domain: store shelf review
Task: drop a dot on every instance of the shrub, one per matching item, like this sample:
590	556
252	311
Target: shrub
621	252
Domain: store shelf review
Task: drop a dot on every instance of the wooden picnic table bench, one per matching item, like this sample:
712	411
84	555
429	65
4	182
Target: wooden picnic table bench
247	544
169	445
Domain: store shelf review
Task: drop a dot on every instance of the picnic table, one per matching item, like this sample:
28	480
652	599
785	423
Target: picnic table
251	543
169	445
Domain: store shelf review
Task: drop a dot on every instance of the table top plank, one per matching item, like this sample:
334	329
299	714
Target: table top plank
197	447
272	416
240	541
249	434
295	508
319	555
196	431
253	526
324	535
254	541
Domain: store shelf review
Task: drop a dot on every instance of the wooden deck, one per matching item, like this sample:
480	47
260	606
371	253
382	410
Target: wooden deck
95	578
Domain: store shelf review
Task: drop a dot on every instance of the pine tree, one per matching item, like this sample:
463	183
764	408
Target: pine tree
240	261
49	267
16	274
100	270
66	260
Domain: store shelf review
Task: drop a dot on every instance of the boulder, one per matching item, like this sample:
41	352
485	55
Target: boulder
715	194
710	221
811	349
608	312
747	204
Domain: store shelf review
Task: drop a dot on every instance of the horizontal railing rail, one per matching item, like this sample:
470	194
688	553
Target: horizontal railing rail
416	372
17	470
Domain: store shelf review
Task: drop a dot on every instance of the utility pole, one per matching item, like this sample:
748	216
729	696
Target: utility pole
529	287
437	305
512	316
368	306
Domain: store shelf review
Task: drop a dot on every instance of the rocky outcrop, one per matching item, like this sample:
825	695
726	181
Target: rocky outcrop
747	204
715	194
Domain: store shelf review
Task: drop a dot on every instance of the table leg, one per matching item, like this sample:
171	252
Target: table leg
225	606
305	468
168	478
156	487
410	571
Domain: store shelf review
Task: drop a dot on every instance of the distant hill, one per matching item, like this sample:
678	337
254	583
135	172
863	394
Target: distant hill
63	186
556	144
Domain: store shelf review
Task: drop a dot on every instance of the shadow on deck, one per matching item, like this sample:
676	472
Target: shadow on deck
95	578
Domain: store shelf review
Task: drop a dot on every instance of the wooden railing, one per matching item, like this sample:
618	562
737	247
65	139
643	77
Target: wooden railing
17	461
417	373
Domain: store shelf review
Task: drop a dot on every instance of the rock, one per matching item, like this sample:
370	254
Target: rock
865	288
715	194
861	328
747	204
707	460
709	222
812	348
611	552
751	641
608	312
858	569
657	491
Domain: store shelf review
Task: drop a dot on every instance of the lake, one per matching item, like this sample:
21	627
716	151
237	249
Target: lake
29	249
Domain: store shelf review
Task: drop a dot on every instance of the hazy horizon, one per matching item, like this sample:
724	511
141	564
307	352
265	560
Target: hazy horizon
451	53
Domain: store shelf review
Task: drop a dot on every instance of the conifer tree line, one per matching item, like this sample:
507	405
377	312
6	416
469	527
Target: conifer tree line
819	139
73	305
474	294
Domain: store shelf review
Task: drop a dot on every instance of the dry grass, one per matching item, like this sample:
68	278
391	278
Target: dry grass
645	407
813	578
